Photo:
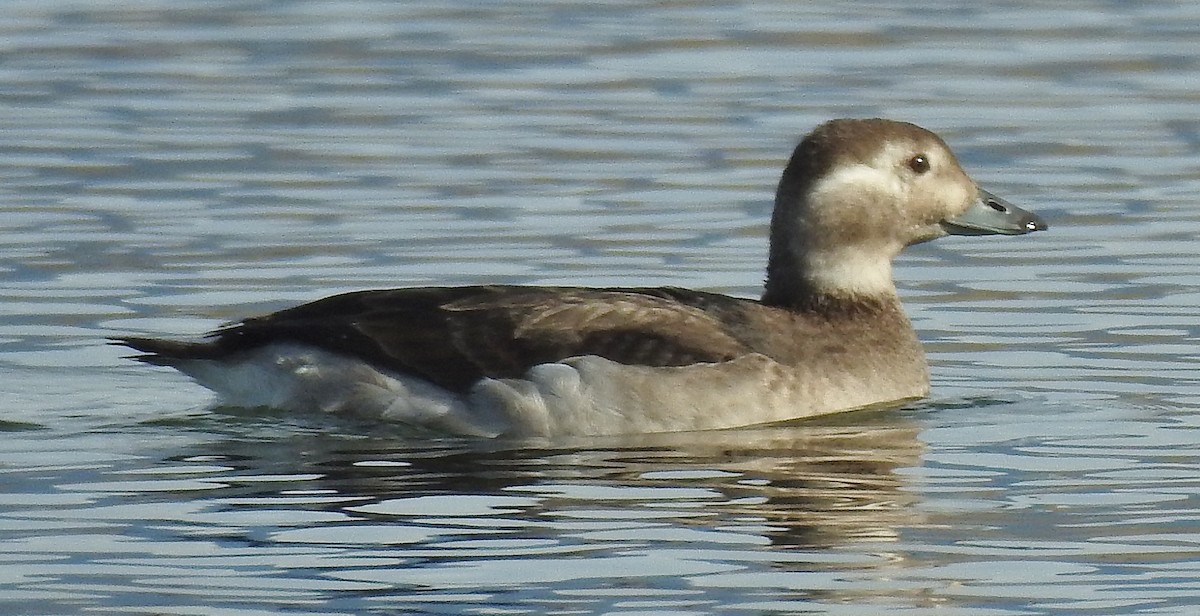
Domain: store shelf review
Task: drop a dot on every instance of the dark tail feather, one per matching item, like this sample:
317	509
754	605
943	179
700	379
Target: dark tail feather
166	352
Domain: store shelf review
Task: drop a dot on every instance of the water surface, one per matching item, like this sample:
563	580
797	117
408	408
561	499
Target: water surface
167	166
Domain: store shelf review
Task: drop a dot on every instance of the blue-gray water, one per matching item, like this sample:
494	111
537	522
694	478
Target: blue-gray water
168	165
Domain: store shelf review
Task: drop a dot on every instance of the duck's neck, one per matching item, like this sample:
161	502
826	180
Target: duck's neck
849	279
817	263
832	306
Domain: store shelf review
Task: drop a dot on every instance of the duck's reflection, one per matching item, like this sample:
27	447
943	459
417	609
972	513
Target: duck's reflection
804	485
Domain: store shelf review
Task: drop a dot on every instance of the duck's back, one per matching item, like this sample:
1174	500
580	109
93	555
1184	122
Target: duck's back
453	336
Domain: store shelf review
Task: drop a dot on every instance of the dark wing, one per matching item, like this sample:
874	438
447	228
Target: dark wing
452	336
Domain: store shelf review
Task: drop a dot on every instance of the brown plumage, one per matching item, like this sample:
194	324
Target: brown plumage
453	336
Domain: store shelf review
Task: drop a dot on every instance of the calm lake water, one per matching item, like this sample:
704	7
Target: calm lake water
169	165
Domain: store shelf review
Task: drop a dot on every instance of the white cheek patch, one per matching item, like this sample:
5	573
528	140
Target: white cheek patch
848	183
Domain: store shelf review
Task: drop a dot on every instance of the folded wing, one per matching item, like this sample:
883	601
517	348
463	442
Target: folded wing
453	336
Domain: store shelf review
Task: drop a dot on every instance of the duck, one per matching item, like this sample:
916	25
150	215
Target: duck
827	335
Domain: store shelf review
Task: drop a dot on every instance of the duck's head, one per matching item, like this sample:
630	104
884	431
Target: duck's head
856	192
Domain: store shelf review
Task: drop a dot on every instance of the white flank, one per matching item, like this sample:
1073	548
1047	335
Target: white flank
580	395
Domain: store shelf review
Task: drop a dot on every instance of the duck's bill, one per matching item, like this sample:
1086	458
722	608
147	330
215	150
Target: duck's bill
991	215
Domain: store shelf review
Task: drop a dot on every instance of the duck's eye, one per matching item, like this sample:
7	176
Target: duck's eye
919	164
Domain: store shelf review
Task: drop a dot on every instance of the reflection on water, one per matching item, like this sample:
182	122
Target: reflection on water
250	520
168	165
